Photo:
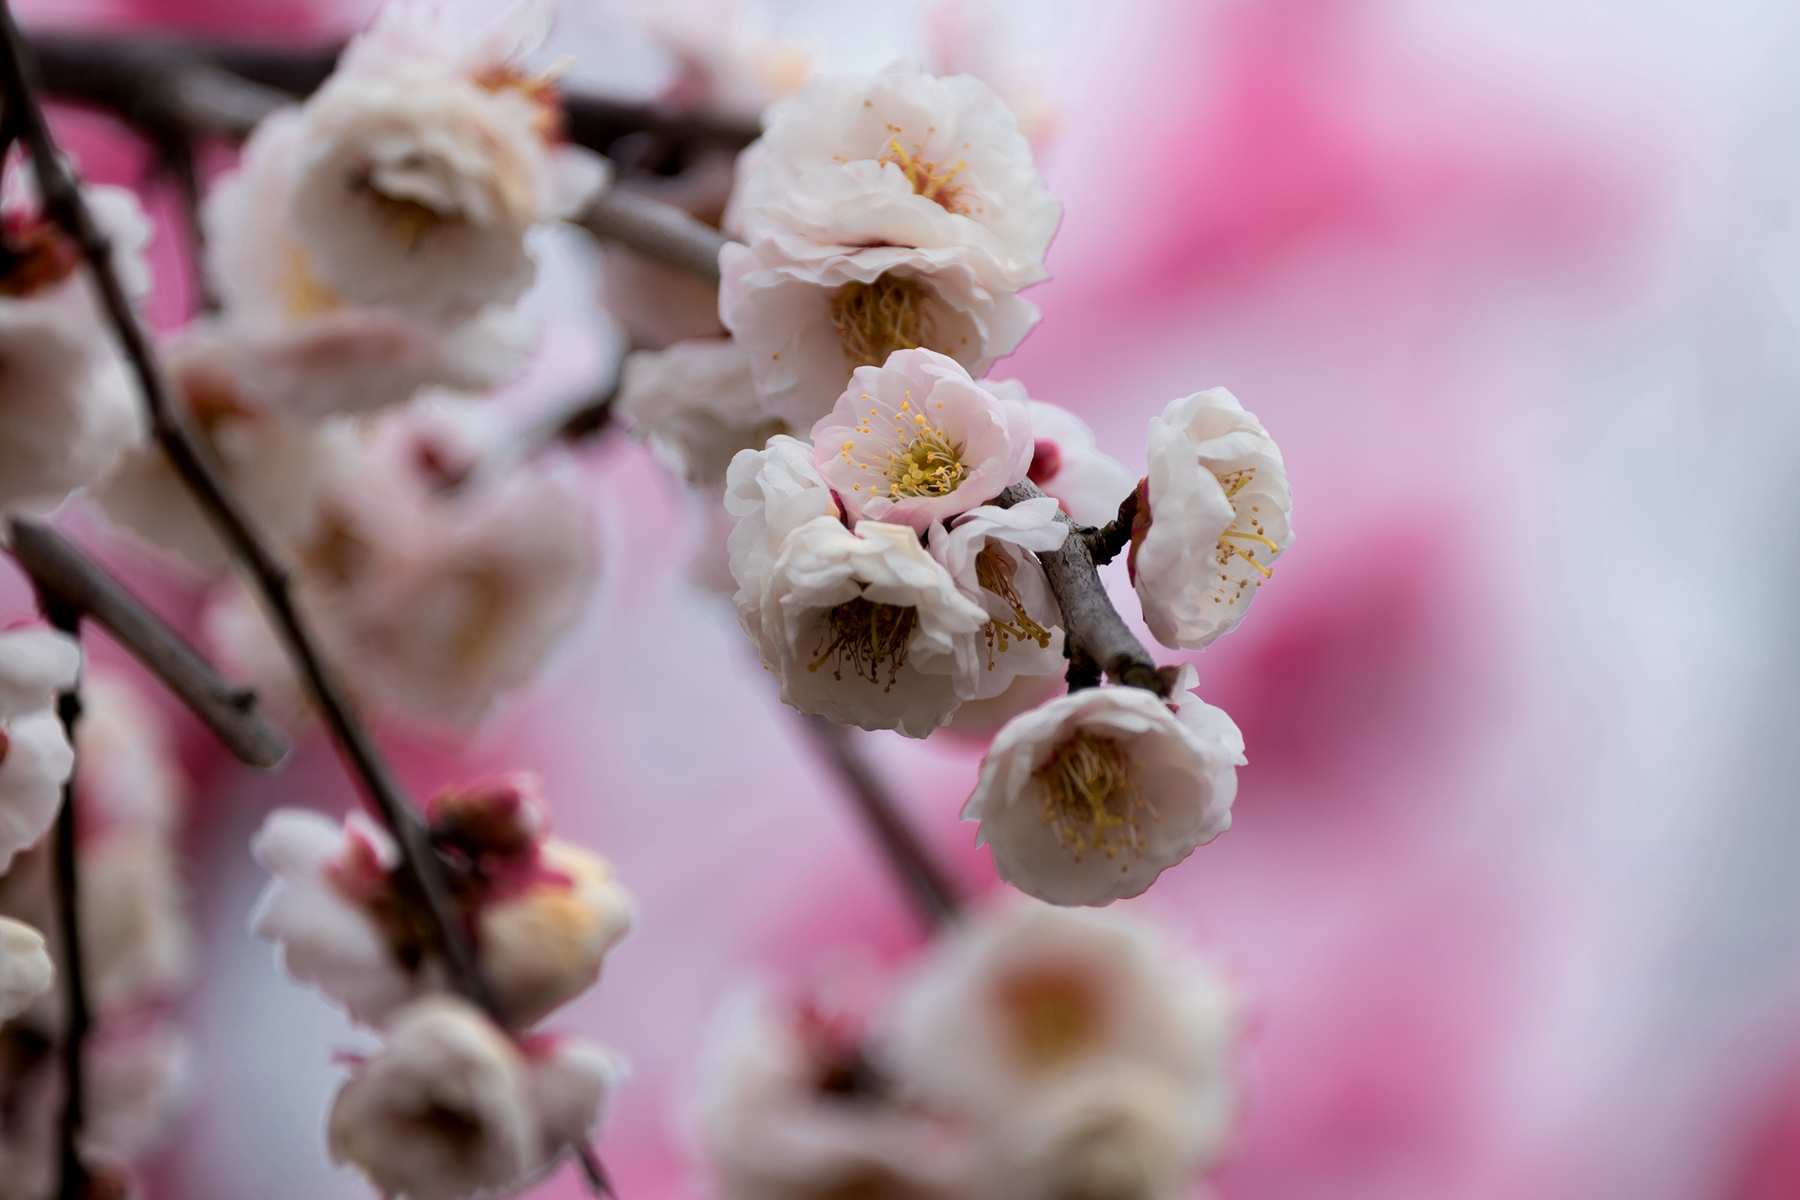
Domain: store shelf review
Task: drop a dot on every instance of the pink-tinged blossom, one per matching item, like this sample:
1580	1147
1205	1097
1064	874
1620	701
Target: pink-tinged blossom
808	315
135	939
696	403
296	346
902	158
785	1110
25	968
990	552
1090	1057
1066	461
1091	797
916	441
35	756
1213	515
68	406
866	628
570	1082
129	774
444	1111
770	492
418	174
140	1076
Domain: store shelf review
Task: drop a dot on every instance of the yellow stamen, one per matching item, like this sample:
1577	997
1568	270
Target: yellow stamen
1091	799
931	465
875	319
926	178
994	570
867	635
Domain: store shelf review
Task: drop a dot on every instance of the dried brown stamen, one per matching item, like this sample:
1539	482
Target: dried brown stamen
867	635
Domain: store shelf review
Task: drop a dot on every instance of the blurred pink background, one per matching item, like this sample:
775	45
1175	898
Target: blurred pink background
1513	877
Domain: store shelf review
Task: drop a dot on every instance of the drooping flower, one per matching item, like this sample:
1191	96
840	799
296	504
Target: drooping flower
866	628
1066	461
697	404
68	405
443	1112
808	315
25	968
786	1111
420	168
1091	797
35	756
989	552
1093	1059
916	441
902	158
1213	515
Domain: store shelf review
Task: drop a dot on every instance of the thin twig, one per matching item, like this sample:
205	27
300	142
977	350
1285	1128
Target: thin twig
1092	627
598	1181
924	880
59	568
182	163
68	907
422	872
656	230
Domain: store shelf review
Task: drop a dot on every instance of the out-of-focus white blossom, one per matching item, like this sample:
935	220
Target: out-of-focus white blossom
418	171
771	492
443	1112
1213	515
35	756
25	968
432	598
784	1114
989	552
68	405
659	304
916	441
569	1081
139	1079
273	465
1066	461
901	158
866	628
808	315
294	345
325	909
1091	797
135	940
1092	1059
697	404
129	775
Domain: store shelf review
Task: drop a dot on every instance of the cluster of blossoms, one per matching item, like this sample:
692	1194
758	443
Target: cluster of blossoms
459	1101
893	509
1035	1054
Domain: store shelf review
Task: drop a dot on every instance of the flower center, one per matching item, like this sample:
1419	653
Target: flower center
867	635
994	569
1091	800
408	220
931	465
1231	542
1054	1014
875	319
927	178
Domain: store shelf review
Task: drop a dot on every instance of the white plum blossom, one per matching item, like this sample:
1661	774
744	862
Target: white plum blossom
35	755
68	404
139	1081
808	315
129	775
26	971
916	441
318	910
443	1112
697	404
785	1113
989	552
569	1082
135	941
770	492
1091	797
902	158
866	628
1066	460
296	347
418	171
1213	515
1092	1058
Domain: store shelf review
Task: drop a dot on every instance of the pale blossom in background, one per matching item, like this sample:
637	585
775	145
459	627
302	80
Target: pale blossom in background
810	314
26	971
865	627
35	755
1091	797
129	774
1067	462
990	552
140	1079
1213	516
136	942
902	158
916	441
696	404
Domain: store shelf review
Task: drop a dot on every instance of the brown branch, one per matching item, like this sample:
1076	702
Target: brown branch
924	880
422	872
1092	627
656	230
60	570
